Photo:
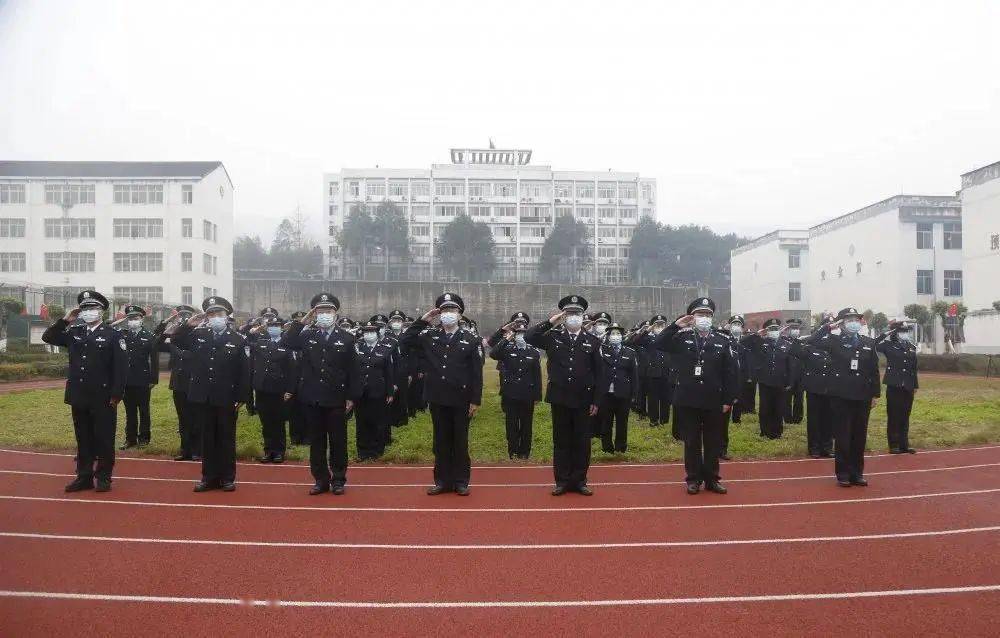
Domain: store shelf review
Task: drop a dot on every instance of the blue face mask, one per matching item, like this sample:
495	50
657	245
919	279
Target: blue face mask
218	324
853	326
274	331
905	337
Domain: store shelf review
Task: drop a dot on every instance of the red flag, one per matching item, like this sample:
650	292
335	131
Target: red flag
43	312
953	310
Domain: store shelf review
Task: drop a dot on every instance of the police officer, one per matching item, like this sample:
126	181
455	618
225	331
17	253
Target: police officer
707	386
734	330
143	374
814	364
260	321
854	390
599	322
219	385
900	383
453	387
373	392
326	368
793	400
188	428
273	378
415	363
573	393
520	383
639	404
617	379
298	429
398	409
95	383
771	365
658	383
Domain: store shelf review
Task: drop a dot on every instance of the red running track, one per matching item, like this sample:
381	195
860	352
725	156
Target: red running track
786	552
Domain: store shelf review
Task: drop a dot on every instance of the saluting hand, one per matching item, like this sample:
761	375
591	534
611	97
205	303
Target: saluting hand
196	320
557	318
593	409
72	314
308	318
683	322
726	408
431	315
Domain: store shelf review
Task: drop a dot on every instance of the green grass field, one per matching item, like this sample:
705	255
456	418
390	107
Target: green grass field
948	411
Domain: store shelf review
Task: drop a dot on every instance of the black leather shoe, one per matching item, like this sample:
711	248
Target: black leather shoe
182	457
127	445
265	459
143	442
860	482
718	488
693	488
815	456
558	490
585	490
909	450
229	487
843	482
103	485
318	488
195	457
202	486
826	454
434	490
80	484
725	457
462	490
895	450
337	489
278	458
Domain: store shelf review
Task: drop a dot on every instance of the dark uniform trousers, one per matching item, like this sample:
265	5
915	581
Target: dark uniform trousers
272	411
519	419
641	395
298	429
899	403
658	399
218	442
452	465
701	430
772	411
724	445
819	426
188	427
571	430
372	421
397	410
136	400
614	415
415	401
327	431
850	431
748	398
94	426
793	406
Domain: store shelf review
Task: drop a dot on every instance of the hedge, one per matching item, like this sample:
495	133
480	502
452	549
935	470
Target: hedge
973	364
32	370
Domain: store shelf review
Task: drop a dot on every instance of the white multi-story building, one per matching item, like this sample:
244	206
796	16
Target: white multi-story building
981	246
768	277
146	232
519	201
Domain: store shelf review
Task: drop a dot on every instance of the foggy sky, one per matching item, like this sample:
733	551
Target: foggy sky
751	116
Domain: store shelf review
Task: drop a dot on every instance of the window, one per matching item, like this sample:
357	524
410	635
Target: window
479	211
187	194
623	252
626	190
354	188
585	189
626	212
953	283
505	211
140	294
533	231
858	268
375	189
647	193
585	213
953	236
334	189
536	190
564	211
840	271
794	291
505	251
207	292
69	262
504	231
504	189
140	228
420	230
626	232
69	194
531	252
186	262
420	251
12	262
420	211
209	231
138	193
535	214
138	262
449	189
822	275
995	241
333	210
12	227
607	232
795	258
12	194
607	252
606	190
449	211
925	236
209	264
438	231
397	188
186	228
564	190
479	189
420	188
925	282
604	213
69	228
186	295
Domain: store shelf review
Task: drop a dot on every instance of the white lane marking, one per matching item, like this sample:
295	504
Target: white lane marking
508	467
825	477
484	546
476	604
476	510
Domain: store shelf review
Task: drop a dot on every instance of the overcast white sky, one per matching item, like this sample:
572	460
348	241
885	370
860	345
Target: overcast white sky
749	115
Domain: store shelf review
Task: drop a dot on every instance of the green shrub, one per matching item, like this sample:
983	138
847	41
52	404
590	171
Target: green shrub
974	364
32	370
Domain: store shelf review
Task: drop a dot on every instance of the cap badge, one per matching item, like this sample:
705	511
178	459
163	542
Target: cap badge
86	295
572	299
211	300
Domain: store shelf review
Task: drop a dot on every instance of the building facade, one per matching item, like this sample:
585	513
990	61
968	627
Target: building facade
981	219
769	276
144	232
519	201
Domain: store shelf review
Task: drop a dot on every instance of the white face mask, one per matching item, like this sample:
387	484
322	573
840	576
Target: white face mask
573	322
370	337
658	327
905	336
217	324
736	330
326	319
773	334
853	326
396	326
600	329
519	340
90	315
614	338
449	318
703	323
274	331
794	333
134	324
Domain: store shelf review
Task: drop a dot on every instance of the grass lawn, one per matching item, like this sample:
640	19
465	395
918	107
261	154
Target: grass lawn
948	411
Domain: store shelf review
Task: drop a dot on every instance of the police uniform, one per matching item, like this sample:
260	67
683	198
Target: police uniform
399	412
815	381
143	374
657	370
263	317
771	365
794	396
854	383
520	385
298	429
900	385
617	380
739	350
641	395
415	363
219	382
326	369
188	428
707	380
272	376
372	392
453	381
573	365
95	382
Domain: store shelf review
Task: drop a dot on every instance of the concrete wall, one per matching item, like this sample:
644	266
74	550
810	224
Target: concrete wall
760	276
489	304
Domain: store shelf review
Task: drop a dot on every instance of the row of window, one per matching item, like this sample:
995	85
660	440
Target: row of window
456	188
607	232
123	262
154	294
925	284
952	236
123	228
532	252
73	194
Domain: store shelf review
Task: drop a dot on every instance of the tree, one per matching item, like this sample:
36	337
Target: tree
919	314
357	235
878	323
9	306
645	259
389	232
686	254
466	248
248	252
996	306
567	241
293	248
954	330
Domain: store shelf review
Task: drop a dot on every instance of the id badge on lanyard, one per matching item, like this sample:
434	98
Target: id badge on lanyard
697	370
854	363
